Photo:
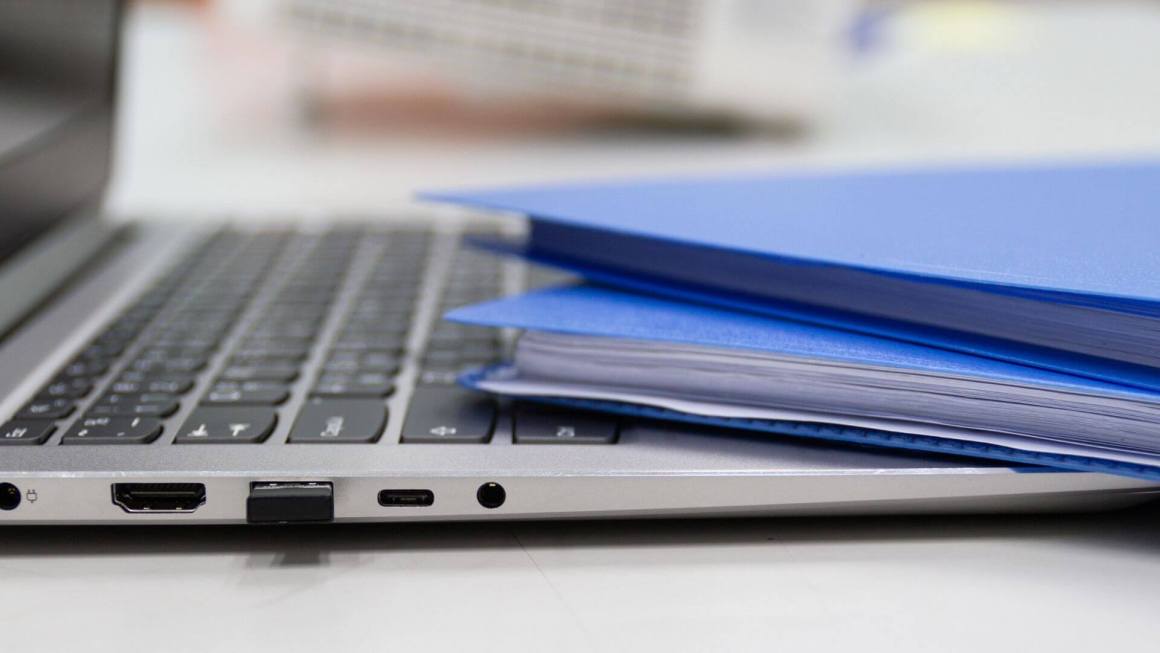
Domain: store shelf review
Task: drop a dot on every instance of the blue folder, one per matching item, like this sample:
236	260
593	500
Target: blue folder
600	311
1082	237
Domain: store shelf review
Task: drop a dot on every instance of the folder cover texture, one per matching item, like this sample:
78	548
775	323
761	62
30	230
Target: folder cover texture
1051	266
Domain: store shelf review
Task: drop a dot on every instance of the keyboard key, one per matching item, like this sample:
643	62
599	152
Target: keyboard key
382	309
267	362
295	313
162	353
290	351
173	334
441	358
276	341
538	425
152	409
168	384
227	425
19	431
282	372
366	384
390	343
306	296
451	336
178	364
127	399
288	329
379	362
103	348
197	342
85	368
47	409
479	351
342	365
439	414
66	389
150	404
439	377
340	421
270	395
378	321
350	362
250	386
106	429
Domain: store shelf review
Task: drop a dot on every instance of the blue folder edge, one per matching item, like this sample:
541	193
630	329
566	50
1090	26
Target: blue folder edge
685	210
1092	368
1028	461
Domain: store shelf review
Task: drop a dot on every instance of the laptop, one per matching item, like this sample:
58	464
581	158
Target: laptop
290	373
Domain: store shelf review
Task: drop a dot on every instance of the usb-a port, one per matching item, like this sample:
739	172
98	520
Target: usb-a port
406	498
289	502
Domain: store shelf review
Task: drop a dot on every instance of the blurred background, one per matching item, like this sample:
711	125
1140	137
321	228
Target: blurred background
263	107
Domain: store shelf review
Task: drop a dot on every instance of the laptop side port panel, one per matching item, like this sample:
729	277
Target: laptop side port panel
159	497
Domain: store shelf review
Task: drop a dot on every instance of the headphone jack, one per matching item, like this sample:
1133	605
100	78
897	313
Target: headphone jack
491	495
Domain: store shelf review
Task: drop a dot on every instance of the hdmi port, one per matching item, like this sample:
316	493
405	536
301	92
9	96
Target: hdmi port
159	497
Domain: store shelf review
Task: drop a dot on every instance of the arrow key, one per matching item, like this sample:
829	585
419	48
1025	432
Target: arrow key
227	425
541	425
448	414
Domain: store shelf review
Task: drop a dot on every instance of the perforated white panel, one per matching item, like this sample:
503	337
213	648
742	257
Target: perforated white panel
634	49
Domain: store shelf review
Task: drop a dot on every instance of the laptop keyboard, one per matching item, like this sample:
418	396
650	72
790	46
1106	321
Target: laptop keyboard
229	337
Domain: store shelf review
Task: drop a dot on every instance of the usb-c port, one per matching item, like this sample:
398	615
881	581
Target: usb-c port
406	498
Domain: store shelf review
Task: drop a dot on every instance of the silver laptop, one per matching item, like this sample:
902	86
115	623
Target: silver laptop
288	374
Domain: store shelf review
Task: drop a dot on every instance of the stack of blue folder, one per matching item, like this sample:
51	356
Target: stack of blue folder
1010	313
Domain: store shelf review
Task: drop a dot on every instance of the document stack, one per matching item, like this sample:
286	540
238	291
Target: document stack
1010	313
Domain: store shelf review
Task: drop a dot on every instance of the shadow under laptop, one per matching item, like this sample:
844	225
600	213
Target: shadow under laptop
1131	530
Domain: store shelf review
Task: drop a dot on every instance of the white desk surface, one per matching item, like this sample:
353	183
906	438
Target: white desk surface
1077	582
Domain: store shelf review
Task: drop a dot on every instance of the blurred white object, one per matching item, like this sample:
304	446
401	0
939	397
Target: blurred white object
754	60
